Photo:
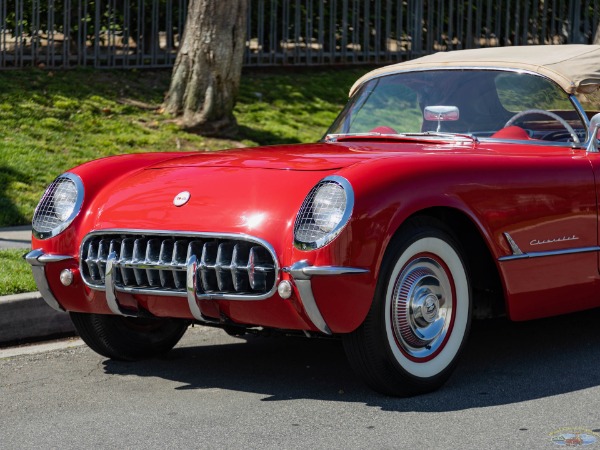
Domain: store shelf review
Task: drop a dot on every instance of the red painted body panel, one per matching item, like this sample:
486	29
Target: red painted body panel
535	193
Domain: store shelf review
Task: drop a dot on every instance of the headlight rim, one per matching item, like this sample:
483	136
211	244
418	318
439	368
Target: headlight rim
331	235
76	208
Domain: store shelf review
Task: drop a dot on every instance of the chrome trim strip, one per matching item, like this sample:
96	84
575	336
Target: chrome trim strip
305	272
38	259
568	251
158	291
301	272
513	245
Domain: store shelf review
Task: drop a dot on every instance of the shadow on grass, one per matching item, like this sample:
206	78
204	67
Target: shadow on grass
9	212
263	137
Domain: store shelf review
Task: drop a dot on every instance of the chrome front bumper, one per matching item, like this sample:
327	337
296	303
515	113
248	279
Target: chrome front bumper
300	273
38	259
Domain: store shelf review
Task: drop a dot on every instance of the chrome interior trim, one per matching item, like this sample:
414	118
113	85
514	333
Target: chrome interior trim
153	290
513	245
591	144
302	272
567	251
38	259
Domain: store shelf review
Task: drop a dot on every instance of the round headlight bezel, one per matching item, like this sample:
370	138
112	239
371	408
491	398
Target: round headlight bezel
316	234
46	222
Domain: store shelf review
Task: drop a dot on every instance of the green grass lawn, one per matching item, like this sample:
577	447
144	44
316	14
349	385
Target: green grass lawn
15	273
52	121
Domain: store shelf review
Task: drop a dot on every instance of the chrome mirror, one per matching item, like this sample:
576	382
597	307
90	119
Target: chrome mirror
592	144
441	114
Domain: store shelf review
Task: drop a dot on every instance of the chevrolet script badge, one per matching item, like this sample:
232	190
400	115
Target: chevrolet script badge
181	198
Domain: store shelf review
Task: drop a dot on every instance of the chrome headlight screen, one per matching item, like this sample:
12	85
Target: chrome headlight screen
324	213
59	205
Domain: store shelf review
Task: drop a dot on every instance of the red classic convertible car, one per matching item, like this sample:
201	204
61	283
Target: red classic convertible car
454	186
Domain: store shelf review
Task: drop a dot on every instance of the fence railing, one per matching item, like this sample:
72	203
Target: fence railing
146	33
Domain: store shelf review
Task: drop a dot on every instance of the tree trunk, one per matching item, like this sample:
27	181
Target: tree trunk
206	75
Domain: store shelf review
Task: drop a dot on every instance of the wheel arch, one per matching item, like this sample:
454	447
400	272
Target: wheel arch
486	282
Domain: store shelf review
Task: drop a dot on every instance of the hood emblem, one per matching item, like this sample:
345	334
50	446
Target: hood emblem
182	198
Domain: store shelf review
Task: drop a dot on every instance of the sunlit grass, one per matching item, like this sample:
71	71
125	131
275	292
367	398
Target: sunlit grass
15	273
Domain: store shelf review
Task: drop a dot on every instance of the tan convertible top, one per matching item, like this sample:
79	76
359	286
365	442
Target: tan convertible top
575	68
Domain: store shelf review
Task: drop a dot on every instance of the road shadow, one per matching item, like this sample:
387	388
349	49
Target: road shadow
503	363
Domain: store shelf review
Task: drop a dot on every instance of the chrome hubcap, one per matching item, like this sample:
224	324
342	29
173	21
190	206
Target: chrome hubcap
422	307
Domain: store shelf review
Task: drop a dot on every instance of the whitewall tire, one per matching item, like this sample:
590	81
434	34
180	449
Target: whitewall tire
420	317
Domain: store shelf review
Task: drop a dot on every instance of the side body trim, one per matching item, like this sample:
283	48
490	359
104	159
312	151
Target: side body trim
567	251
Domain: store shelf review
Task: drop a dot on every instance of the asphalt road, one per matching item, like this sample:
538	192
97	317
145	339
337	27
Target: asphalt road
516	387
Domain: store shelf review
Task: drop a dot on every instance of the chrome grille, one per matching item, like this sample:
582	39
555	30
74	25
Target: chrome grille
149	263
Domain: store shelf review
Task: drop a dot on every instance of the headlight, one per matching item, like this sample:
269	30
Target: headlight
59	205
324	213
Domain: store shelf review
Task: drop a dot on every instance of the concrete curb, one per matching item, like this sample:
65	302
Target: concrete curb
27	317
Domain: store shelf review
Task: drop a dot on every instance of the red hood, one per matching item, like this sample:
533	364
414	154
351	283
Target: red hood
308	157
256	191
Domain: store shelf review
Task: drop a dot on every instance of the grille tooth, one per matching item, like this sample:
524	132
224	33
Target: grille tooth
166	257
91	260
157	263
139	258
103	252
208	261
180	252
152	256
223	266
126	257
115	246
259	268
239	267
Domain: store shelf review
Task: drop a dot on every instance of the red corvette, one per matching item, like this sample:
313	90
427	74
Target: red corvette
457	185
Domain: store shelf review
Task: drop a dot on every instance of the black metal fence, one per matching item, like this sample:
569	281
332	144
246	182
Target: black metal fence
146	33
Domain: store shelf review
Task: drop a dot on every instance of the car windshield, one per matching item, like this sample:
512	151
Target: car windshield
480	103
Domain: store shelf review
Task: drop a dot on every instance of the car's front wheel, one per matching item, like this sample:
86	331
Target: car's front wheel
128	338
418	323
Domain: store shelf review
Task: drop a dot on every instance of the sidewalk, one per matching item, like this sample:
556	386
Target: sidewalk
27	317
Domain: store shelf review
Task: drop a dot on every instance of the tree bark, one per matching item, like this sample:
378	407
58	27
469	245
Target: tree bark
207	70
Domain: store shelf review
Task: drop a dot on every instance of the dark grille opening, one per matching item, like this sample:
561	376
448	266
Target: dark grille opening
158	263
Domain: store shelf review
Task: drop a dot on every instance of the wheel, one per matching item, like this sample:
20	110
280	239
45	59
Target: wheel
562	121
128	338
418	323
